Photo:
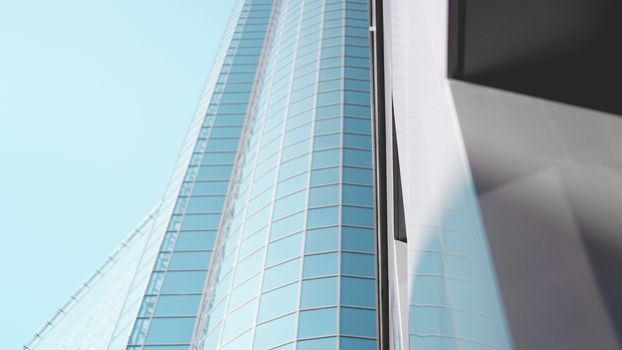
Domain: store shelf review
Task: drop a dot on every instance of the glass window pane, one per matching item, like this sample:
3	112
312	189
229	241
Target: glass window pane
293	184
287	225
318	344
323	217
245	292
214	173
358	176
195	240
170	330
328	158
190	260
325	195
315	323
214	187
358	322
284	249
178	305
290	204
320	265
275	332
207	204
358	292
346	343
358	239
322	239
357	157
278	302
325	176
319	292
249	266
184	282
358	264
358	216
200	222
281	274
358	195
239	321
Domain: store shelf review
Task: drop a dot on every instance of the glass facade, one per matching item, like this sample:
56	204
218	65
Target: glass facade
265	237
170	305
88	320
295	266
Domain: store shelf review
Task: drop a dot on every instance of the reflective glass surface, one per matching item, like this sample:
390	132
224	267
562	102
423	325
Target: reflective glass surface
294	264
171	303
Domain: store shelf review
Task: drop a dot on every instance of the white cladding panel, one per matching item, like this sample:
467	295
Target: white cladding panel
452	297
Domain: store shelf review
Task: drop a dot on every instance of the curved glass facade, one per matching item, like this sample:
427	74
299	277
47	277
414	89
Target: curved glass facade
265	238
170	304
294	264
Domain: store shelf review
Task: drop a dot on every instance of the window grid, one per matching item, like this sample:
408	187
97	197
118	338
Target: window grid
353	117
164	271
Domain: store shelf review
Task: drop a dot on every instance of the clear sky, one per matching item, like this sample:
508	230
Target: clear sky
95	99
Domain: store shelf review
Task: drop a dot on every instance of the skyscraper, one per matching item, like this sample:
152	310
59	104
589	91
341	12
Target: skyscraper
384	174
265	237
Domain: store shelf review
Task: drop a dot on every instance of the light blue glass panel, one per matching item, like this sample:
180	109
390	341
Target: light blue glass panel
327	141
195	240
284	249
206	204
358	195
325	195
358	322
325	176
245	292
275	332
170	330
326	158
200	222
367	344
241	342
358	239
278	302
239	320
323	217
320	265
214	187
214	172
358	216
190	260
184	282
358	264
319	292
358	176
282	274
322	239
178	305
316	323
358	292
318	344
292	184
249	266
287	225
289	204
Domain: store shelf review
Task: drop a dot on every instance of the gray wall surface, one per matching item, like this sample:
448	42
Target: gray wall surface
549	183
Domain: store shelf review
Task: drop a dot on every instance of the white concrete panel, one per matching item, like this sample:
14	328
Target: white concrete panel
453	296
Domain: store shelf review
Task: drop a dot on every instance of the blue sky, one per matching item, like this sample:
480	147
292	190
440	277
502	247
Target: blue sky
95	99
